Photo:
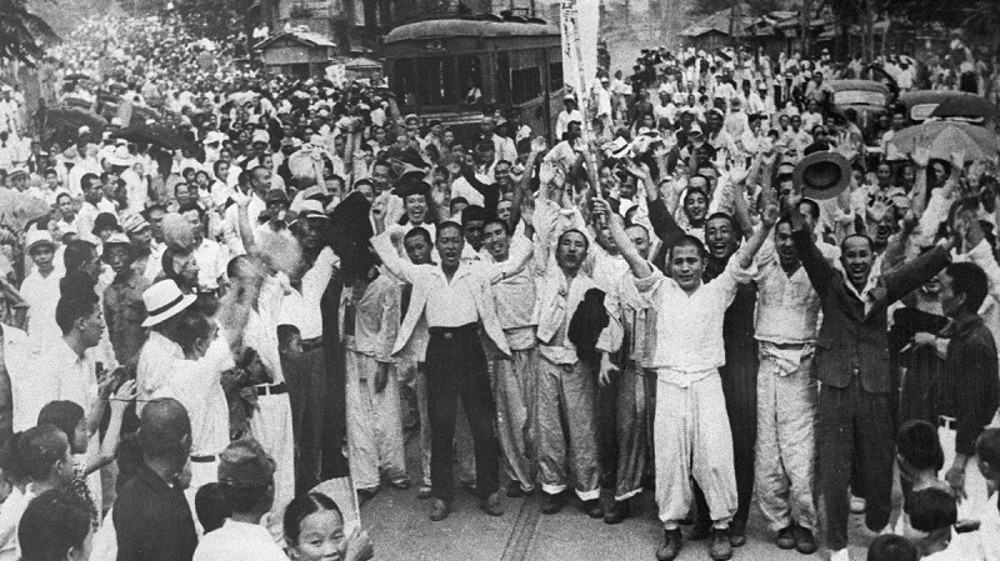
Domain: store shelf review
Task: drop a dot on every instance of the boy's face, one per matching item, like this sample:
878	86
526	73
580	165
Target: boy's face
42	256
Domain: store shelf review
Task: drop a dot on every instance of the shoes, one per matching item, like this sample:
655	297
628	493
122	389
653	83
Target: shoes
401	481
365	495
552	504
593	508
858	505
719	549
805	543
491	504
786	537
619	511
514	490
737	533
440	510
672	543
424	492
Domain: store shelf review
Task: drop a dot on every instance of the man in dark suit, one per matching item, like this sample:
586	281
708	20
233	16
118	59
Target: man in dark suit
852	362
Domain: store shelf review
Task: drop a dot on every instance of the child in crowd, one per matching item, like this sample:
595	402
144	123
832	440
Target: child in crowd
314	529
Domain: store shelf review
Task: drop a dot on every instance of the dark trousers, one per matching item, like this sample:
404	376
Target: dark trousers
855	430
305	375
456	368
739	385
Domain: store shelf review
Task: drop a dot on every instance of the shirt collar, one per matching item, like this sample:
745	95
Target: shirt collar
960	326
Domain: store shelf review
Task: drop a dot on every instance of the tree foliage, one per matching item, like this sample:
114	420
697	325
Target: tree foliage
22	32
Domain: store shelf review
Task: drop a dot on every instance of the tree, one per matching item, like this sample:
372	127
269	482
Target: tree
22	32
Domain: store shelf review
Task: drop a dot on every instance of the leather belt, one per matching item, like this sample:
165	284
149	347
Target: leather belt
273	389
949	423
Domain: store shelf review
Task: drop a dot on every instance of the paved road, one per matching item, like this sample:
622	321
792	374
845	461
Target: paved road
399	526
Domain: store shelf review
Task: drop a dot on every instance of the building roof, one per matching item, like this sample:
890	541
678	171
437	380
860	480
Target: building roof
718	22
307	38
441	28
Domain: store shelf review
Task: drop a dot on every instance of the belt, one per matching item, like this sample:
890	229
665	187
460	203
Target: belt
203	459
310	344
950	423
451	332
272	389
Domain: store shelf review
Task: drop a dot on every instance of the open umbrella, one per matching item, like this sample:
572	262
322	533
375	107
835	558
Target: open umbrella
75	117
967	106
944	138
153	135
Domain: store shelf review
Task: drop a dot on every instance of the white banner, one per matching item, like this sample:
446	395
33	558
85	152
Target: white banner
580	22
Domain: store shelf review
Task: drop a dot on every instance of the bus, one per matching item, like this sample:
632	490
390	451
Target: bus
454	70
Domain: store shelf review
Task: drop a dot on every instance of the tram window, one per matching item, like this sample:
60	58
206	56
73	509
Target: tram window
435	82
526	84
404	85
555	76
470	79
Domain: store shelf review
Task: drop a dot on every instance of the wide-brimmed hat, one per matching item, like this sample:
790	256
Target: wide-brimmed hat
822	175
618	148
36	237
163	301
310	208
120	157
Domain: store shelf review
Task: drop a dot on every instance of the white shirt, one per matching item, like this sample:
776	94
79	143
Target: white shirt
197	384
57	374
689	327
231	226
562	123
239	541
212	261
42	294
156	360
301	308
261	332
787	306
10	515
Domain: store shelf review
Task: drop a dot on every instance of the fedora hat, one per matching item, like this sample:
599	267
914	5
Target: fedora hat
822	175
163	301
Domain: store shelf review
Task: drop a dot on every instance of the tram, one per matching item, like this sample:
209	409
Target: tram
453	70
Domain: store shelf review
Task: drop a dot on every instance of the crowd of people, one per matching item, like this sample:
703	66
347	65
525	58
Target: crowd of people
726	293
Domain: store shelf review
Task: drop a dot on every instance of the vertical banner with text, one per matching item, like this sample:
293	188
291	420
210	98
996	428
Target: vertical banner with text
579	26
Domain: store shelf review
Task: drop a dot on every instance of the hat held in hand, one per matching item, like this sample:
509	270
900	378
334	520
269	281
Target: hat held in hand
822	175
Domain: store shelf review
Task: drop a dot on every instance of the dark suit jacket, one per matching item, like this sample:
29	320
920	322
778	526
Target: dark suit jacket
852	341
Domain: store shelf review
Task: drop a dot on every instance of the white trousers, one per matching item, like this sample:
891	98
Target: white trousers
692	440
374	426
786	444
271	426
966	546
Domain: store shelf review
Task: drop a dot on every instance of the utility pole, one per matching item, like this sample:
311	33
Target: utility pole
806	22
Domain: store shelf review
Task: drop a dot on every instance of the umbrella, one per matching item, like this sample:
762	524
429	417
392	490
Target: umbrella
944	138
969	106
159	136
76	117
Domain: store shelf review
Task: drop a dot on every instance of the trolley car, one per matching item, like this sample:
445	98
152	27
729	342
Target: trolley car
454	70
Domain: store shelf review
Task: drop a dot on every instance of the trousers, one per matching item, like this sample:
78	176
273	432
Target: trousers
567	392
514	389
374	427
855	430
271	425
415	375
636	405
786	443
966	546
692	440
456	369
